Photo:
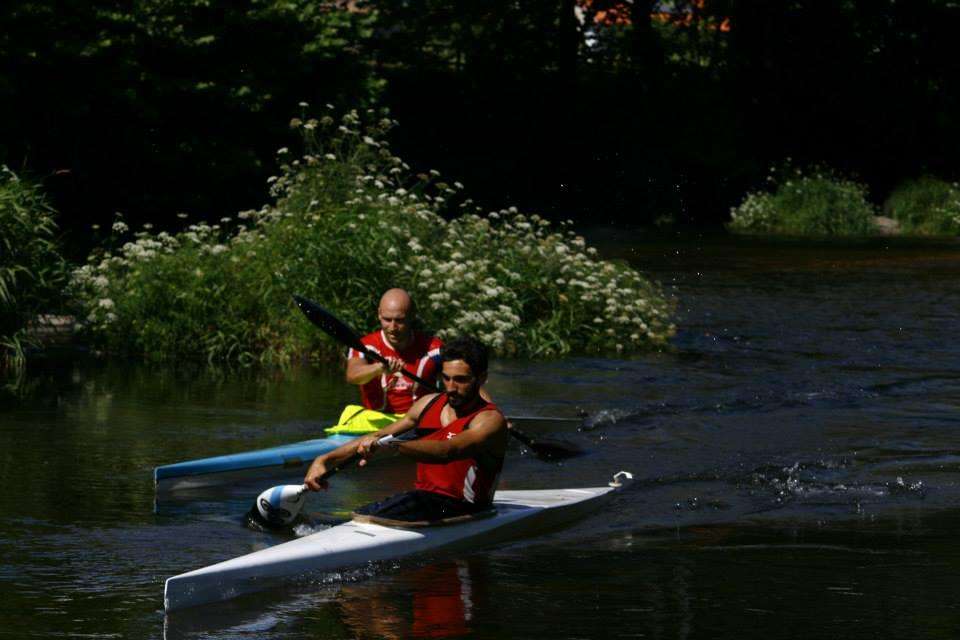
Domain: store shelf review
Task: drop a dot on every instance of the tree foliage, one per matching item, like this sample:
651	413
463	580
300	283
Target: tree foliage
625	110
150	105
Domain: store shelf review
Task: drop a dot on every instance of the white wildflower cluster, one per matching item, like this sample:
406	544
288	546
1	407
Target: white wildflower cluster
91	281
500	276
466	294
108	272
756	213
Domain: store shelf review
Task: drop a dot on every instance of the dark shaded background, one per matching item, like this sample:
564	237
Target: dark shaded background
604	112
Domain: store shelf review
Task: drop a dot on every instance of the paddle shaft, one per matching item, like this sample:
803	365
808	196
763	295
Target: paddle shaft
373	355
543	419
382	441
339	331
354	457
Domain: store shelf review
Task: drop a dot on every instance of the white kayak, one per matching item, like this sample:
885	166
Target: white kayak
353	543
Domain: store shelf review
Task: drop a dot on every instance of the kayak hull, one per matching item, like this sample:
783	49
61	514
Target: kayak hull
292	459
353	543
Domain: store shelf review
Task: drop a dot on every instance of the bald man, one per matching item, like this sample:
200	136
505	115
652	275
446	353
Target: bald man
383	387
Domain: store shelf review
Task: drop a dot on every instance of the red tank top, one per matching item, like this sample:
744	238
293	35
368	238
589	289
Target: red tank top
395	394
466	479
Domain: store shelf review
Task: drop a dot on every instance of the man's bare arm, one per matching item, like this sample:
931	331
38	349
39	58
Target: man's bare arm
359	371
368	444
364	446
487	434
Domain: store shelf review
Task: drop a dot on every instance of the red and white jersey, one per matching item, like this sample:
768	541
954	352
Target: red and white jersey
395	394
466	479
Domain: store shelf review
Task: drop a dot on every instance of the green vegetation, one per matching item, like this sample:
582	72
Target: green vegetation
31	268
816	203
669	106
926	206
350	219
192	93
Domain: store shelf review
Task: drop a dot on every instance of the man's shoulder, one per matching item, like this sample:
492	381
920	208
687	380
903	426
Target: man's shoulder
424	403
490	415
373	341
426	338
427	344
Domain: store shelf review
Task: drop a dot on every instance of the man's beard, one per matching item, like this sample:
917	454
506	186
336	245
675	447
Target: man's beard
457	400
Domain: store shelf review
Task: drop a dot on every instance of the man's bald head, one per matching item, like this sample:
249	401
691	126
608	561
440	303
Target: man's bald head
396	313
398	300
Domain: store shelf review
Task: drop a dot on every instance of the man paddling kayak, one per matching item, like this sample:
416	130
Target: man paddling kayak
382	387
459	452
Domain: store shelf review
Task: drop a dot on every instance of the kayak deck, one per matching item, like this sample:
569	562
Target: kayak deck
354	543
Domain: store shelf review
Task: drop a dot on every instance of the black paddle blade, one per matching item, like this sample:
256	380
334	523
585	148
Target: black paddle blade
555	449
329	323
547	449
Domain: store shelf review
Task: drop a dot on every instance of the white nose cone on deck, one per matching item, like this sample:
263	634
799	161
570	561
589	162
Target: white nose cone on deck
280	505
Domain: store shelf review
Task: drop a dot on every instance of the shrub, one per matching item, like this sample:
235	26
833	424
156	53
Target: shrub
32	270
814	204
926	206
350	220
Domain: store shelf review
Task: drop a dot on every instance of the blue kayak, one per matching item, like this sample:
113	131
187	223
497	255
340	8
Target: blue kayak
287	459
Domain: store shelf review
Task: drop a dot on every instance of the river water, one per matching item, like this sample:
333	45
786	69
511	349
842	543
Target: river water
796	449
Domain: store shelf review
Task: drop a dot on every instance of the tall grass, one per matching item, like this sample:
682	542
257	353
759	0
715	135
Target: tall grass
816	202
926	206
349	220
32	270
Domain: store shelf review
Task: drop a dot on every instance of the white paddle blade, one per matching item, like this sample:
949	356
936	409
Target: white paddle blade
280	505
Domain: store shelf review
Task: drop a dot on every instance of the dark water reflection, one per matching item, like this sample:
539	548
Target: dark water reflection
797	453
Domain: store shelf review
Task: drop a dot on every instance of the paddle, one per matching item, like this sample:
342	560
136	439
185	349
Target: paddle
339	331
278	507
543	419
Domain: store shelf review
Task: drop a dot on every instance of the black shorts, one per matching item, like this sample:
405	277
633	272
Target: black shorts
418	506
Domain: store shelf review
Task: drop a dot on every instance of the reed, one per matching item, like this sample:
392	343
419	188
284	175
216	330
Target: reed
32	271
